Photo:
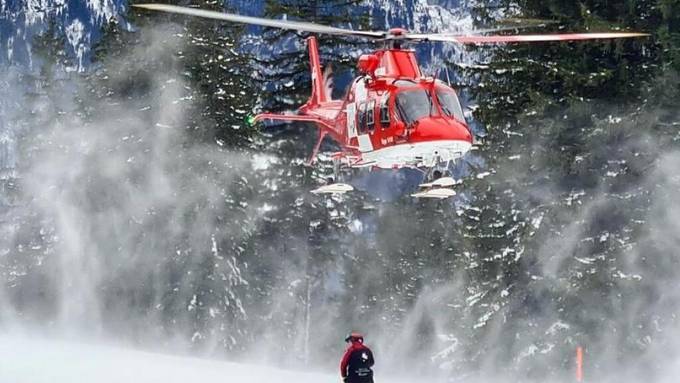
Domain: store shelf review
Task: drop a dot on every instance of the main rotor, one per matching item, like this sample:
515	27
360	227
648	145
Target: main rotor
395	36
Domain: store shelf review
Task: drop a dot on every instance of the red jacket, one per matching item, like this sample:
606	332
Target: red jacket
358	360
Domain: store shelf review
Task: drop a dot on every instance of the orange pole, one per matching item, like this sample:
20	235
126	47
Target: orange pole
579	364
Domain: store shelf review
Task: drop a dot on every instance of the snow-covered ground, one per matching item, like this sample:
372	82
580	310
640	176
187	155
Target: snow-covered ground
27	360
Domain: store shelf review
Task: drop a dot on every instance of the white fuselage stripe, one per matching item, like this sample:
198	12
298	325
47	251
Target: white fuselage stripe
417	154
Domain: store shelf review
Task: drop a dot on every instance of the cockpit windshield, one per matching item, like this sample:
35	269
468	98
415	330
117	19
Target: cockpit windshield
450	104
414	104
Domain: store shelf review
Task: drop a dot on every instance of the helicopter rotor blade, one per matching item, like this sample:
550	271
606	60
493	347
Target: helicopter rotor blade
471	37
524	21
505	25
494	39
493	30
470	32
274	23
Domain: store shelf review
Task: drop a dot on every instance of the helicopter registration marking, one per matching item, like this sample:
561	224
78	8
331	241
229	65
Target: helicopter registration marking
387	140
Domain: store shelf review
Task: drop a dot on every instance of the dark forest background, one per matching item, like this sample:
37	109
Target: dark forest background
145	208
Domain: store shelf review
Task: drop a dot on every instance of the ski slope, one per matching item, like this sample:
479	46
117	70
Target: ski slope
25	360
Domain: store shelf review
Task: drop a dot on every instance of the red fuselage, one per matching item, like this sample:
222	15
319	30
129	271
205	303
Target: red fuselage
392	116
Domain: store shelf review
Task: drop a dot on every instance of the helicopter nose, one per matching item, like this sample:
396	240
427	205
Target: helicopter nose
440	128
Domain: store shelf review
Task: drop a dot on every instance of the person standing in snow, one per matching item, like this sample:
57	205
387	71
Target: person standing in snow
356	364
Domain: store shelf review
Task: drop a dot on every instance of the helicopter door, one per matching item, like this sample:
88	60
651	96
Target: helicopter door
365	144
351	120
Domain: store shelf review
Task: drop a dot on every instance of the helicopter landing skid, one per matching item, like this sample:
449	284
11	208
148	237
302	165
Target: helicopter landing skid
336	188
335	184
441	193
439	186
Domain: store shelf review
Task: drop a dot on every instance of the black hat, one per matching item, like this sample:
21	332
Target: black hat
354	337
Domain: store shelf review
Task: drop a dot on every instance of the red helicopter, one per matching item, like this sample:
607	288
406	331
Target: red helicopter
392	116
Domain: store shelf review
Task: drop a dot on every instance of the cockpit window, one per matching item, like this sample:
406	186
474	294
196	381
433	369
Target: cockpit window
370	115
450	104
361	117
385	112
414	104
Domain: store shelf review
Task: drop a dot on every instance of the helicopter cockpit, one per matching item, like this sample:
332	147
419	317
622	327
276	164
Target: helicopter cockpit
416	102
449	103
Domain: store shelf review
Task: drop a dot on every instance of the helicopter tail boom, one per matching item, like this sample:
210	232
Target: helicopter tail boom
324	128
